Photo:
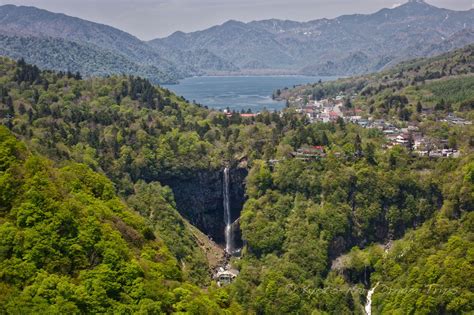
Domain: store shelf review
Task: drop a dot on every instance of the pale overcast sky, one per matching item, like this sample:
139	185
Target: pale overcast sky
148	19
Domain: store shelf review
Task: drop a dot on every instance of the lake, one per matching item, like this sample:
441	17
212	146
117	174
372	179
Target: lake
239	92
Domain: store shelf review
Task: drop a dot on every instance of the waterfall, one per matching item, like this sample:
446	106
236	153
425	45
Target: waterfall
229	248
368	305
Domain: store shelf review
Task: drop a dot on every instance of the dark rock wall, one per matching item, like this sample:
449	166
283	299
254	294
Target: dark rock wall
199	198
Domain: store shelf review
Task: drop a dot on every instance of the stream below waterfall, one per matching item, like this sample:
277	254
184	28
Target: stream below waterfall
368	305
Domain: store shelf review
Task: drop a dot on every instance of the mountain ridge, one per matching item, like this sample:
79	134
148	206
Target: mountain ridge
32	22
345	45
307	47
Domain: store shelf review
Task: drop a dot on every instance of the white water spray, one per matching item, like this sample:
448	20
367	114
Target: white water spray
368	305
229	242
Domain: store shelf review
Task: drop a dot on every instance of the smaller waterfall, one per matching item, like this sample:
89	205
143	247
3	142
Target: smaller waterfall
368	305
229	243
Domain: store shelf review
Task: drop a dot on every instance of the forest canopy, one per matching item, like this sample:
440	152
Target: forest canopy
87	225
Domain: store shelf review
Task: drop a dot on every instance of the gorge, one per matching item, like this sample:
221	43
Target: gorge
212	200
89	199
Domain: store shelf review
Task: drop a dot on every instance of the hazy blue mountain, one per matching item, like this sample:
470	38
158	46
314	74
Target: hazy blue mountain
459	39
60	54
244	45
197	62
348	44
107	44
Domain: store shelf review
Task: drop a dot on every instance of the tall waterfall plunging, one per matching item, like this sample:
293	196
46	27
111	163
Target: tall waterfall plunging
229	242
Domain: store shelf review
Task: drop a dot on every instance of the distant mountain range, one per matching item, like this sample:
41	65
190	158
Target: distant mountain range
351	44
347	45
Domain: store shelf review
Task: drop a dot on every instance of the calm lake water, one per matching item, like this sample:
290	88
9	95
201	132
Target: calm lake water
239	92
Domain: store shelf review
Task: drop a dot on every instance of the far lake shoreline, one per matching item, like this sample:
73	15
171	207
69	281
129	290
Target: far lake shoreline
239	92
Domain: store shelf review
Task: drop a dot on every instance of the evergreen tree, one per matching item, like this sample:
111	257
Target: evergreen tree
348	103
10	108
358	146
324	139
370	153
419	107
36	96
21	109
411	142
30	115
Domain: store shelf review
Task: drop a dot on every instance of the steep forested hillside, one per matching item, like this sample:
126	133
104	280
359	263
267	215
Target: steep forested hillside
69	245
314	227
134	133
438	265
295	230
301	217
443	83
125	125
429	270
59	54
67	43
61	42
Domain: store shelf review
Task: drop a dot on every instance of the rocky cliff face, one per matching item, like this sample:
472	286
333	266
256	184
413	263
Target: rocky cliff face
199	198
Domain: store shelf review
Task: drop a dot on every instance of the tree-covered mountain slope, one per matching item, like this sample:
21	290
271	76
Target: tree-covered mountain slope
322	197
75	131
59	54
295	231
439	85
430	270
67	43
138	135
68	244
437	262
323	228
61	42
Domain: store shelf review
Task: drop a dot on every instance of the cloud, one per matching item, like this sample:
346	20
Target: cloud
396	5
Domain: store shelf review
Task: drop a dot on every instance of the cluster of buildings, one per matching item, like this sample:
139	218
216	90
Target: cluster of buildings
440	153
230	113
330	110
309	153
333	109
409	137
453	119
423	146
326	110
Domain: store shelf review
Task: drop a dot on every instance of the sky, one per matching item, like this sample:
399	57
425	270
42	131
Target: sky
148	19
